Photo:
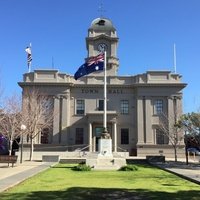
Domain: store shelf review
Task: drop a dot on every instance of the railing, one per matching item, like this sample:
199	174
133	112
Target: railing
57	147
81	152
124	154
121	149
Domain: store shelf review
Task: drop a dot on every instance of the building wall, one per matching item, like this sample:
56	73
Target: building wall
141	91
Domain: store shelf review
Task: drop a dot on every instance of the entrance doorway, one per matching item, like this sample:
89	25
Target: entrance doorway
98	131
97	135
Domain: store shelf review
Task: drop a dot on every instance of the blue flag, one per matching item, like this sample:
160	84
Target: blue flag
93	64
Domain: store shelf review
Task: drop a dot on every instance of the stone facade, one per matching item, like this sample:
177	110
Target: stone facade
133	102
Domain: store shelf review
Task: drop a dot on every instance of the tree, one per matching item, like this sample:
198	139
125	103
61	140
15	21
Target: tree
37	114
11	119
168	127
190	122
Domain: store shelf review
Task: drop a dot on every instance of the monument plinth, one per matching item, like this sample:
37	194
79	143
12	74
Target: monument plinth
105	159
105	145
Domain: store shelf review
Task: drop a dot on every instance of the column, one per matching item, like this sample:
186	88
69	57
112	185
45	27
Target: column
68	107
56	120
148	121
115	136
64	117
144	118
64	111
90	137
63	127
94	144
171	114
140	122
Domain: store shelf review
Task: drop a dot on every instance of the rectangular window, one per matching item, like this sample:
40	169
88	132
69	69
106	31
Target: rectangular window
79	136
161	138
80	107
101	104
158	106
124	136
124	107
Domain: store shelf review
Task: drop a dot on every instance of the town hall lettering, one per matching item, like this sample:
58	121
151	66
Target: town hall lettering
90	91
95	91
115	91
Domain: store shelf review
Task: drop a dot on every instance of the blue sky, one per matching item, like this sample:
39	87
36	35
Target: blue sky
147	30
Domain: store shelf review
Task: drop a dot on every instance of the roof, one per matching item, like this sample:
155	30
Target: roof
102	24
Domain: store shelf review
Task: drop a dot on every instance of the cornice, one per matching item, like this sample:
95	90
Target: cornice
102	37
22	84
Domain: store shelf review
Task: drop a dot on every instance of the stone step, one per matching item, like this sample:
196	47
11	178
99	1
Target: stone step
103	163
100	167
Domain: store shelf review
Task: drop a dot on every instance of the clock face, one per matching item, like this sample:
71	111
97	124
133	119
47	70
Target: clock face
102	47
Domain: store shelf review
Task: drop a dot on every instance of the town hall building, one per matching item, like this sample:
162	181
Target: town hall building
134	103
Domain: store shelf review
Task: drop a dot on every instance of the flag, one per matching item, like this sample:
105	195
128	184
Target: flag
91	65
29	55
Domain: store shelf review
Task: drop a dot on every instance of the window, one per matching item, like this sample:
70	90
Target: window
79	136
44	136
161	138
158	106
124	107
80	107
101	104
124	136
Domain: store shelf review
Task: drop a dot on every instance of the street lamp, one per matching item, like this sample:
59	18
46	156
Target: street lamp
23	128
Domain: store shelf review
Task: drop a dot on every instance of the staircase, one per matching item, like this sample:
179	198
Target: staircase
97	162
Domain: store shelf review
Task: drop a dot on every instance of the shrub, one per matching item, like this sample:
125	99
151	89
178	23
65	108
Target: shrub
82	167
128	168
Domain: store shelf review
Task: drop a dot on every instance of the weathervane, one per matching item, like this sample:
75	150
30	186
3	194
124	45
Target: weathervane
101	9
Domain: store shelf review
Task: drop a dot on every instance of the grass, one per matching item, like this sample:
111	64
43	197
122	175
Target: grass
60	182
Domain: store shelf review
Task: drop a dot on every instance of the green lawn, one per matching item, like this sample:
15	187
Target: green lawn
60	182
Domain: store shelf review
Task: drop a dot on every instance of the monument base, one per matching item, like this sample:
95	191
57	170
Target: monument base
105	159
106	163
105	148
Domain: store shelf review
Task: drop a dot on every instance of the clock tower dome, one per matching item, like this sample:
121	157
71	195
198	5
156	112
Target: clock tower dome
102	37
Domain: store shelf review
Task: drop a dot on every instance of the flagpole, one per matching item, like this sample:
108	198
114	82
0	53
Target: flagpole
29	65
105	95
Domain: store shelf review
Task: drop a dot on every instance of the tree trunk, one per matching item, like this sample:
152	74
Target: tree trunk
186	155
175	153
31	150
10	147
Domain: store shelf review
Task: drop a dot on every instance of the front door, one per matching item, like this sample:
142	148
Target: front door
98	131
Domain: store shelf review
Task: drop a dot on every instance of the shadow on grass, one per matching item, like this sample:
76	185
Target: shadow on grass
80	193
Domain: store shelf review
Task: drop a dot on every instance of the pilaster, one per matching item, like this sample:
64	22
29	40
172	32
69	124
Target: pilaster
90	137
56	120
148	121
115	136
140	120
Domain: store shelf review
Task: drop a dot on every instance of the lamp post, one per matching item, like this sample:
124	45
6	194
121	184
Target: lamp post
23	128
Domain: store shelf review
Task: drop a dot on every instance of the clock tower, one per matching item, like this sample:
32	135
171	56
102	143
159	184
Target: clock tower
102	37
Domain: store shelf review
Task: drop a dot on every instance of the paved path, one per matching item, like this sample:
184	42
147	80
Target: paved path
11	176
190	172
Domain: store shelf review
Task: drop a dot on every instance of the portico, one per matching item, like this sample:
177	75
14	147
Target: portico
96	127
